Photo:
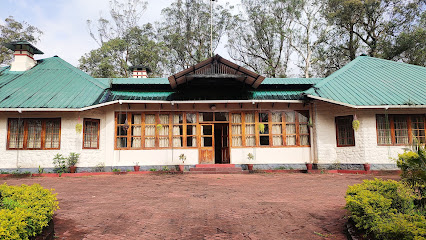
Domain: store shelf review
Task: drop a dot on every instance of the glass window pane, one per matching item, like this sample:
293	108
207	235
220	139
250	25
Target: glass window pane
122	130
16	138
304	140
164	119
191	130
121	118
237	141
265	128
206	141
250	129
177	141
291	140
250	141
121	142
150	142
149	130
191	141
136	142
206	117
191	118
136	118
303	116
163	130
277	129
221	116
383	130
178	130
264	140
277	140
236	129
34	134
276	117
136	131
164	141
249	118
149	119
207	130
236	118
178	118
290	117
263	117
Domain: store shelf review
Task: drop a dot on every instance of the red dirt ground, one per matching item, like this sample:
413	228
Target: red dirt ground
247	206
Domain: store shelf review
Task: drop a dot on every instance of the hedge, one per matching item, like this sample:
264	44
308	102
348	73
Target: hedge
385	210
25	210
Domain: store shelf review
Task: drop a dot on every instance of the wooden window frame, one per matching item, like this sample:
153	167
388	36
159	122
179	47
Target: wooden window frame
270	123
93	120
185	131
350	118
157	136
391	118
25	137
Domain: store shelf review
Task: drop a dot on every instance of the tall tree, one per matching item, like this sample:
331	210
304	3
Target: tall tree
309	31
123	43
13	30
375	27
185	31
259	36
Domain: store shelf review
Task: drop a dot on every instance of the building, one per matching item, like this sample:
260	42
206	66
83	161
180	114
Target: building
214	112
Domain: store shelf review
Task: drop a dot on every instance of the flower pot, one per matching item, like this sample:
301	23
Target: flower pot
181	168
136	168
308	166
73	169
250	167
366	167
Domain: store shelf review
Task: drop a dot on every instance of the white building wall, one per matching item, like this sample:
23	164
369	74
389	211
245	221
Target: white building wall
284	155
366	149
71	141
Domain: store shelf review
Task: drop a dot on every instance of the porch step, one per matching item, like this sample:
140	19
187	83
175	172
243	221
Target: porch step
216	169
215	166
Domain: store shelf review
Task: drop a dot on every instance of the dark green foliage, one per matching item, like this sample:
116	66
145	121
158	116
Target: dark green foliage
413	172
386	210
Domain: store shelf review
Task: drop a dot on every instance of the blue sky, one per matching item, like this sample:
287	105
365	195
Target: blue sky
64	23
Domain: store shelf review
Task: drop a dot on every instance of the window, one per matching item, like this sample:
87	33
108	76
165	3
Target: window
155	130
91	133
34	134
344	132
400	129
277	129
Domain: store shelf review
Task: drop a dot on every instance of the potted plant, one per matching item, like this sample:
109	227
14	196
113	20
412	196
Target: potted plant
136	167
250	157
261	127
182	157
72	161
366	166
308	166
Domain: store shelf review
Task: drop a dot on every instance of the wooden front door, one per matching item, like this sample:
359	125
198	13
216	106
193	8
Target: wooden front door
207	144
224	143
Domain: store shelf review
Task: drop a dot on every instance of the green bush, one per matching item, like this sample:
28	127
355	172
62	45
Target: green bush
413	171
385	209
25	210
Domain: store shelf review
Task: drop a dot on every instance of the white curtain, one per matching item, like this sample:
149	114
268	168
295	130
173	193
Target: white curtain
277	140
164	141
290	117
236	118
250	129
291	129
302	118
34	134
276	117
150	142
250	141
16	139
249	118
164	119
237	141
304	140
177	141
192	118
149	119
137	119
136	142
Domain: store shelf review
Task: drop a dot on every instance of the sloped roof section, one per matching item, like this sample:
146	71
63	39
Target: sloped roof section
368	81
216	67
291	81
52	83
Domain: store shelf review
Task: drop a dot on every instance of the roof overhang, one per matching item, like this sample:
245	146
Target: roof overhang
219	68
368	106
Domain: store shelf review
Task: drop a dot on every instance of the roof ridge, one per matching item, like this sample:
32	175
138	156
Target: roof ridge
395	62
334	75
79	72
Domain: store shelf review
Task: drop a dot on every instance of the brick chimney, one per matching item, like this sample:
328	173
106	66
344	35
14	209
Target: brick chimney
24	55
140	71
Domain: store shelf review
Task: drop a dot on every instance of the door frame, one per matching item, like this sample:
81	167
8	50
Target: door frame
201	148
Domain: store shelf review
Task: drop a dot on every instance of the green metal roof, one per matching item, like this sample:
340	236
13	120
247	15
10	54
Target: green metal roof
291	81
161	81
134	81
169	96
52	83
368	81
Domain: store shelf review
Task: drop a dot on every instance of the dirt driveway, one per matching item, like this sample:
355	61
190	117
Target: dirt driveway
255	206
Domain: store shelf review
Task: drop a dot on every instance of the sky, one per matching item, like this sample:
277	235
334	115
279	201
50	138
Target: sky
63	22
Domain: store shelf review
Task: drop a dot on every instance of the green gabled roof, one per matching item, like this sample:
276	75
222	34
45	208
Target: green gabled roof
368	81
291	81
52	83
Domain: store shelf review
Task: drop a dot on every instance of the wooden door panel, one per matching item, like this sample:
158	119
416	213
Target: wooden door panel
206	156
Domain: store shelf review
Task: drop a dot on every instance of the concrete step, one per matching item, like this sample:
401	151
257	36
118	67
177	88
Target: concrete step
215	165
213	172
216	169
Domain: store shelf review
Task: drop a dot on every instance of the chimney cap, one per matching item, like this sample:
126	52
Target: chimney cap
141	67
12	46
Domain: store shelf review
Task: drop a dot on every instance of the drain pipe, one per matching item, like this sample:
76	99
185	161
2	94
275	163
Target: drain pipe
17	150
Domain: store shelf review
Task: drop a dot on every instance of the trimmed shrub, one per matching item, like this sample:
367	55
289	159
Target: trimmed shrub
385	209
25	210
